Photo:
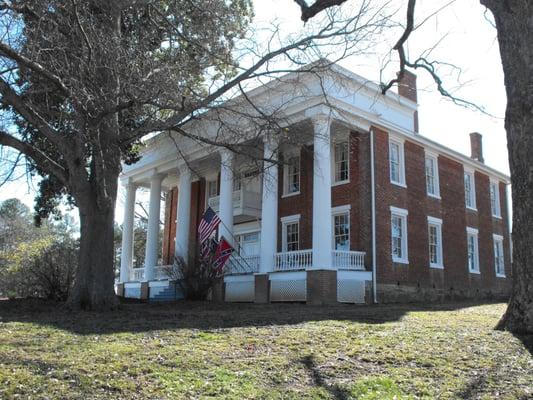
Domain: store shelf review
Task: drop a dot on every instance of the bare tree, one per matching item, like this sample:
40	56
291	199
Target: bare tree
82	82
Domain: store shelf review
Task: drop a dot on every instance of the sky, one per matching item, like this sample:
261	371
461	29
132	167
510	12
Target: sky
460	33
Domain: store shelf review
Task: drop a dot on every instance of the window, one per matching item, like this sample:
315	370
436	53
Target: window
292	175
495	199
499	263
432	175
470	190
291	233
396	162
341	228
435	242
399	235
237	181
248	243
472	248
212	188
341	162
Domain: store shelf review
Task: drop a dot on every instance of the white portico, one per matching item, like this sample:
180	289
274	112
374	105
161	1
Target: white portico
247	190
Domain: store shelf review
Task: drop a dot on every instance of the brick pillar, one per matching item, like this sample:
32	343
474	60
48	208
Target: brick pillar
262	288
145	291
321	286
219	291
120	289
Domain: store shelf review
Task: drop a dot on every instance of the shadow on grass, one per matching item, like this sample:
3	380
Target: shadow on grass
335	391
203	315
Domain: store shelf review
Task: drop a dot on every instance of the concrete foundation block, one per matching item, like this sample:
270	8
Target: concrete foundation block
321	287
218	291
262	288
120	289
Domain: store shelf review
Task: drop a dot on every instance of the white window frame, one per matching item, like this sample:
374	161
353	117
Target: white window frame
334	162
433	157
336	211
473	232
402	214
437	223
286	166
401	161
497	241
471	174
285	221
495	204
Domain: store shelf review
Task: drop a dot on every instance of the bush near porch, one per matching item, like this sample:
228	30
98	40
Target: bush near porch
291	351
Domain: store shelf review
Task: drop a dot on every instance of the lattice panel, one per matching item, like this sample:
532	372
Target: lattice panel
240	291
289	290
350	291
132	293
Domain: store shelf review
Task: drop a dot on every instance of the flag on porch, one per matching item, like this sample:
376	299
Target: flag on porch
222	254
208	224
208	247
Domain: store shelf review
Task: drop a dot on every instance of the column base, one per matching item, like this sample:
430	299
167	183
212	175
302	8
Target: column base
120	289
321	287
145	291
262	288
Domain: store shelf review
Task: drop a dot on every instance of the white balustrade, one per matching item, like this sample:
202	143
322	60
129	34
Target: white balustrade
137	274
241	199
241	264
343	259
293	260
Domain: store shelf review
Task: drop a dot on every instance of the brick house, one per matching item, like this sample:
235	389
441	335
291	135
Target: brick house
361	207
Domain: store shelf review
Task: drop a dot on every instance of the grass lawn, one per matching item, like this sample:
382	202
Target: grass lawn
284	351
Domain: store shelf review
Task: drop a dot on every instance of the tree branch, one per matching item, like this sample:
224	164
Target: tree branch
318	6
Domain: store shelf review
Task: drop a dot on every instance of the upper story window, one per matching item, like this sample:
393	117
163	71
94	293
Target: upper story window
341	167
291	176
212	188
470	190
435	242
495	199
499	263
432	175
472	250
396	162
341	228
399	235
290	233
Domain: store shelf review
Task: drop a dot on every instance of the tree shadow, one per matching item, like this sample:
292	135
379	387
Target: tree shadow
527	341
336	391
204	315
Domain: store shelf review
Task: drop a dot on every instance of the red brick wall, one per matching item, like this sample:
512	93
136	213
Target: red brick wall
451	209
169	233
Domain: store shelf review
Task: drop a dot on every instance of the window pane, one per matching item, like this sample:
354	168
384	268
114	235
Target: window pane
293	175
341	162
430	176
397	248
292	236
395	162
341	230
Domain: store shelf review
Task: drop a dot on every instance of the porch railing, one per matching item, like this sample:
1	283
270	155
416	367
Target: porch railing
137	274
240	199
242	264
160	272
343	259
293	260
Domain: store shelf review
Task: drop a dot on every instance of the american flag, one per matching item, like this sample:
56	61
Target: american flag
208	224
222	253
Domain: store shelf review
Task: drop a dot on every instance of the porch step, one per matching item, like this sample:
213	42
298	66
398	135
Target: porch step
168	293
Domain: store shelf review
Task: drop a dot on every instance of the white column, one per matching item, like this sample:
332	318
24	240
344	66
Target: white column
269	207
152	234
322	229
226	195
126	256
183	214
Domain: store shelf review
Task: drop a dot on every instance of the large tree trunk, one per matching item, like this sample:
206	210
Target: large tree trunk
94	282
514	22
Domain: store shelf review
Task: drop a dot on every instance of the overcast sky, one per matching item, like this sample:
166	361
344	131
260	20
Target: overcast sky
468	41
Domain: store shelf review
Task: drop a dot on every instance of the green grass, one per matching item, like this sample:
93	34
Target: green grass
286	351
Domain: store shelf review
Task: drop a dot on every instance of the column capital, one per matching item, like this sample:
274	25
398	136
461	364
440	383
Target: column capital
129	184
226	155
184	169
156	175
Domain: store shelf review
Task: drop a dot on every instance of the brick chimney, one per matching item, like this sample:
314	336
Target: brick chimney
476	146
407	89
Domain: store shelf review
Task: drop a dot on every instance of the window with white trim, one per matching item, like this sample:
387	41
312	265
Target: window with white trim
432	175
470	190
212	187
291	175
495	199
399	235
291	233
341	228
499	263
341	166
472	250
435	242
396	162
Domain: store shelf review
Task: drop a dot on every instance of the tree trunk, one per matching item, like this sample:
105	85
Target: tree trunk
94	282
514	22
